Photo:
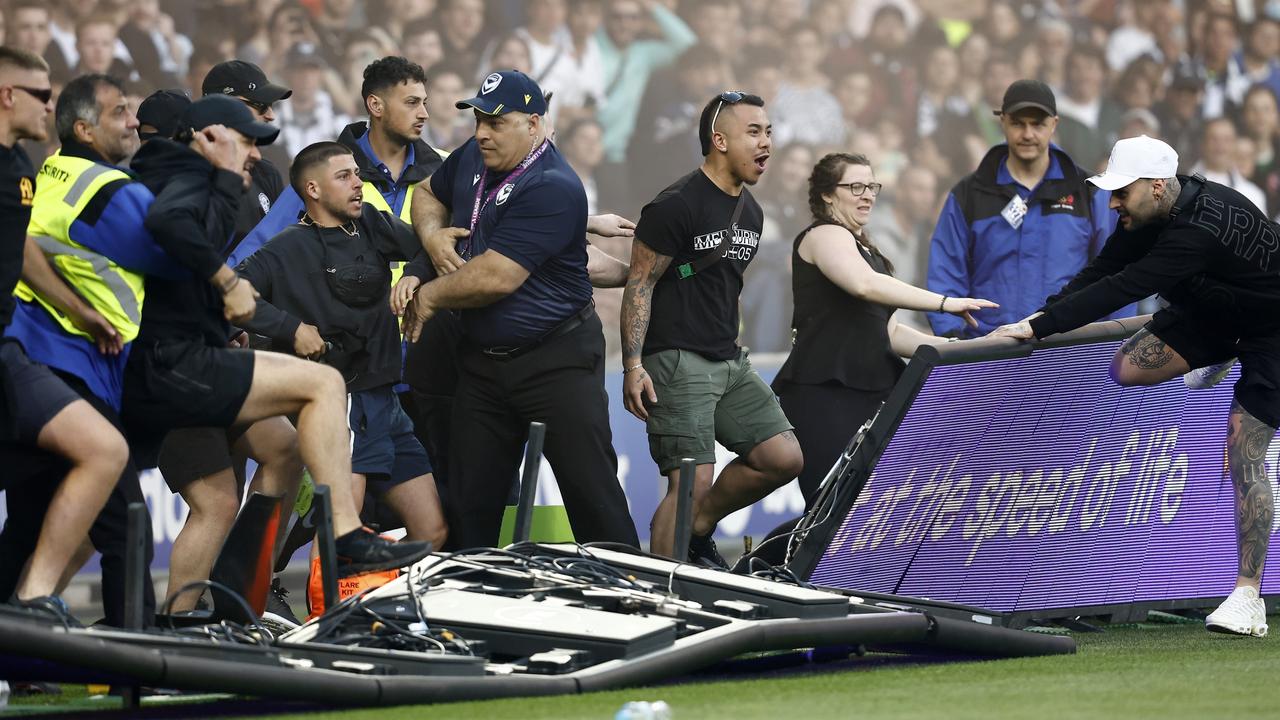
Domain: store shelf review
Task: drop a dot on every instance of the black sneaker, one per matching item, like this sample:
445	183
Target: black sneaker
362	550
50	607
703	553
278	616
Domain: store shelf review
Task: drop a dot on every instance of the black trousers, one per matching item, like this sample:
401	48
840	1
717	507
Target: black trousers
28	498
825	417
560	383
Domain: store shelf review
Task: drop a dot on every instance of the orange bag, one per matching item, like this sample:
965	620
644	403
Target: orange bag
347	586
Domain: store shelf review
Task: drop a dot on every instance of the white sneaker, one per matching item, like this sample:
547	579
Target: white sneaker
1242	613
1207	377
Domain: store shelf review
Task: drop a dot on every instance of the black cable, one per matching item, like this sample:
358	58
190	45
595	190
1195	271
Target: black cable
215	585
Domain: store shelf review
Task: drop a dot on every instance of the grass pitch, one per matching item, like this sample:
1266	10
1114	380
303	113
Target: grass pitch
1147	671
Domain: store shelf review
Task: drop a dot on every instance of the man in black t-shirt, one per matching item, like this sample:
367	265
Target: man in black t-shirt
37	409
1214	256
684	373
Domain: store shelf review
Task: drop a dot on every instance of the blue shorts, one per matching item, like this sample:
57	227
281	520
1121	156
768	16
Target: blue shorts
385	448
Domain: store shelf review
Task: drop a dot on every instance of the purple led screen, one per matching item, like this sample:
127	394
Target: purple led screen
1036	483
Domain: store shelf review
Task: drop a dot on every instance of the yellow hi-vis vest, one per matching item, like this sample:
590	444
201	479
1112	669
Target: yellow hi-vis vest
64	187
374	197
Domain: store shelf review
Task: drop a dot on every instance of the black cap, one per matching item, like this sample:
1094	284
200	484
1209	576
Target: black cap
162	110
1188	76
222	110
237	77
507	91
304	53
1023	94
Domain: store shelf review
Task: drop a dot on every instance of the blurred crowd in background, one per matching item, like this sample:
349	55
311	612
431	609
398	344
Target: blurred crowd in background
909	83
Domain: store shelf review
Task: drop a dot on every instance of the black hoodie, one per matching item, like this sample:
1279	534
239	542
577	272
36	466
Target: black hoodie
193	217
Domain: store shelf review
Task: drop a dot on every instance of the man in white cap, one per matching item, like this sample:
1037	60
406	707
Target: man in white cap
1214	256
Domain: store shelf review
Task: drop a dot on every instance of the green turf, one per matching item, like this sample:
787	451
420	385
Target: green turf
1164	671
1154	670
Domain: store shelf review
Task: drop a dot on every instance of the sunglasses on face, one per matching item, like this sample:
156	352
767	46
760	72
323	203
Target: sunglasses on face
262	108
858	188
44	95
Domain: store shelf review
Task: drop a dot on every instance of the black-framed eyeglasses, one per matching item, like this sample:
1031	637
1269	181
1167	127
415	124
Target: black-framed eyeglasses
858	188
44	95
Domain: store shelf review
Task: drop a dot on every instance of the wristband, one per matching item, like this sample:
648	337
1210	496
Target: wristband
637	366
941	304
228	287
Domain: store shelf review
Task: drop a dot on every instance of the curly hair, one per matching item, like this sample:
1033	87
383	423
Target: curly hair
388	72
823	181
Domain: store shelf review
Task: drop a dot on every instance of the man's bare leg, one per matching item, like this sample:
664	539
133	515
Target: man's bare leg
662	528
767	467
214	501
417	503
1248	439
98	454
283	385
273	444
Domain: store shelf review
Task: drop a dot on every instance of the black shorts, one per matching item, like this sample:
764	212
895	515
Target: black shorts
1203	341
184	384
31	393
189	454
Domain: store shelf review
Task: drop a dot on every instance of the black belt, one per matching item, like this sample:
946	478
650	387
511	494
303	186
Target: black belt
564	328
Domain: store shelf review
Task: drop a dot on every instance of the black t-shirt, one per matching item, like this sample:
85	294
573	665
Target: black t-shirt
1220	257
688	220
17	190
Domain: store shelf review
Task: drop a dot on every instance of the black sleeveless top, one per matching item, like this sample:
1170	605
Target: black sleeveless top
839	339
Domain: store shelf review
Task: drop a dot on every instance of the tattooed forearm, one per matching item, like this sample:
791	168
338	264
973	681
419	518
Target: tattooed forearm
637	300
1247	441
1147	351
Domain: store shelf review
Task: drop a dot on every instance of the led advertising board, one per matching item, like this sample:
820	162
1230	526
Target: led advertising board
1031	483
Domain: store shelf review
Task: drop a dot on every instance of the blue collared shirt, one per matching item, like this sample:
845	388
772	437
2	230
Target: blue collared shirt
396	193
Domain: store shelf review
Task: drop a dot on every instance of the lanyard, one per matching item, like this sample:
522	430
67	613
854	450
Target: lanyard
483	198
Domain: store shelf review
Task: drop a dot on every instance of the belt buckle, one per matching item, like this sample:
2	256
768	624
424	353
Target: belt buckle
499	353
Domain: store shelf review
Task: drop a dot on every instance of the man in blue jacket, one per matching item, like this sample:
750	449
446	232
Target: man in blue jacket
1021	225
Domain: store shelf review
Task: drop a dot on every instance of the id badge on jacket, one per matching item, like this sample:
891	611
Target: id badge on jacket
1015	211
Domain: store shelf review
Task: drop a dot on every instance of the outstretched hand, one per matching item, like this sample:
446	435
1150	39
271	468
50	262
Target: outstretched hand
610	225
1018	331
963	306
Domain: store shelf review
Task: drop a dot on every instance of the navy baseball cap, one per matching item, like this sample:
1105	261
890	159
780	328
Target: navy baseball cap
237	77
1024	94
227	111
507	91
162	110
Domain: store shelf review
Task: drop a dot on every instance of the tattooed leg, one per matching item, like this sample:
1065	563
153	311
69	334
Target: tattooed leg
1145	359
1247	441
765	468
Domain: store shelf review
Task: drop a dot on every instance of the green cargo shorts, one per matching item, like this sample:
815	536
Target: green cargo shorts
701	401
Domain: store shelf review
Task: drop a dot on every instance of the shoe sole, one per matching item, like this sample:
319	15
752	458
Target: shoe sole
1244	630
349	569
276	624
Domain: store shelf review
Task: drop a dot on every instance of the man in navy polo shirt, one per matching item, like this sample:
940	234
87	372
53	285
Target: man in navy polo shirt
532	346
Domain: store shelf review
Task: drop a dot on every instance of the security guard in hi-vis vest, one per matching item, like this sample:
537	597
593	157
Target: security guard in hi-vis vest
67	472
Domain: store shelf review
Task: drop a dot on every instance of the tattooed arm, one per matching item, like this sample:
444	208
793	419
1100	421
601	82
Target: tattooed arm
637	302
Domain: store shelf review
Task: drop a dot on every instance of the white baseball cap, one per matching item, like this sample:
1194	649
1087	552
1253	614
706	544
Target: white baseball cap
1137	157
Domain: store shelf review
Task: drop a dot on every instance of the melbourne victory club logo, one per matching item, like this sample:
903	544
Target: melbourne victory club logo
490	83
505	193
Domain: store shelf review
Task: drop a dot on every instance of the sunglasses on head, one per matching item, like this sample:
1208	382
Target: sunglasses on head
731	97
44	95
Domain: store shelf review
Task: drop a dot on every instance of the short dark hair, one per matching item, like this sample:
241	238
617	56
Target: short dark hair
311	156
388	72
21	59
709	113
79	101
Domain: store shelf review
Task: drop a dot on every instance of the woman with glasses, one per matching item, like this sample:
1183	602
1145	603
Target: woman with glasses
848	348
